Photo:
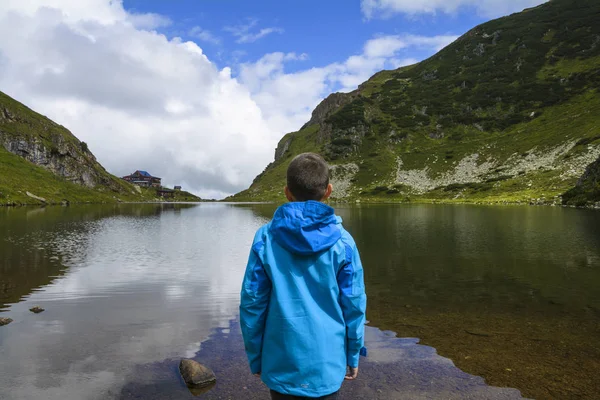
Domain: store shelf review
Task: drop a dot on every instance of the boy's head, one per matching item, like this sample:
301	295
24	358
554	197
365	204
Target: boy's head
308	178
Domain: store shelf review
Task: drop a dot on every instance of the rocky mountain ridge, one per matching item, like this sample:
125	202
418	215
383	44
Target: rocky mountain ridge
41	162
45	143
587	190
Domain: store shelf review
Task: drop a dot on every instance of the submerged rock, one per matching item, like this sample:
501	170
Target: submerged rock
478	333
37	310
197	391
197	376
5	321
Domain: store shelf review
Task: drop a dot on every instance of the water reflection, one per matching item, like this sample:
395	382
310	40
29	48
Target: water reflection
395	369
138	290
508	294
505	258
37	244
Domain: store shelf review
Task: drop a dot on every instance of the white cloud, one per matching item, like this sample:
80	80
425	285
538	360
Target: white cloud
402	62
139	100
144	101
485	8
287	99
386	45
244	34
203	35
149	21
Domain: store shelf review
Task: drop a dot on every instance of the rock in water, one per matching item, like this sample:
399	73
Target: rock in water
202	390
196	375
5	321
37	309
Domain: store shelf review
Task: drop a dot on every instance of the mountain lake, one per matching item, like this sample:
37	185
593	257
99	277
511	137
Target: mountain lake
464	302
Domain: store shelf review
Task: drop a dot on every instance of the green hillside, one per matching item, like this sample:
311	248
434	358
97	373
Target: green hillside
42	162
19	176
507	113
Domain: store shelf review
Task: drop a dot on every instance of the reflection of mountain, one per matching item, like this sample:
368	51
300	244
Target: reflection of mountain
491	288
494	289
30	241
138	290
464	257
506	293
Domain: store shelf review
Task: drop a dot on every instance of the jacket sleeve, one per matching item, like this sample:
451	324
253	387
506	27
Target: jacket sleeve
256	291
353	302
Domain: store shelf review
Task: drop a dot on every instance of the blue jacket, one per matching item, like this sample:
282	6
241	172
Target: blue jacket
303	301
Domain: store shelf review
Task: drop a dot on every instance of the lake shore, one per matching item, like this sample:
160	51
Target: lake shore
332	202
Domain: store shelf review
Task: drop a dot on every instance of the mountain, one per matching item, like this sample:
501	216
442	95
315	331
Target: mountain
42	162
506	113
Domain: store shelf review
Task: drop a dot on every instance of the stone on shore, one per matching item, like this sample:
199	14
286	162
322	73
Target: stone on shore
37	310
33	196
196	375
5	321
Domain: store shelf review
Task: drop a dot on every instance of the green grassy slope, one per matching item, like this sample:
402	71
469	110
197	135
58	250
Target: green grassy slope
507	113
19	176
45	159
38	139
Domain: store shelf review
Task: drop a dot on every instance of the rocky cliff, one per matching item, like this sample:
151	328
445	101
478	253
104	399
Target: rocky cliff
507	113
42	162
587	191
49	145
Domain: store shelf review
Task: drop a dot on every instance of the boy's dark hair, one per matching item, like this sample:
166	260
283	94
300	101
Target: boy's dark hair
308	177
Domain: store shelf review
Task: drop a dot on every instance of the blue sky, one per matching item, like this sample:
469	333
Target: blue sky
327	31
199	92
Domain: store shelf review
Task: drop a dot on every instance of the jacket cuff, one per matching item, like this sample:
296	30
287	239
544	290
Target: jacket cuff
256	367
352	360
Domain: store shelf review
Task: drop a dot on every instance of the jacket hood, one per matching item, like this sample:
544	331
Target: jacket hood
305	227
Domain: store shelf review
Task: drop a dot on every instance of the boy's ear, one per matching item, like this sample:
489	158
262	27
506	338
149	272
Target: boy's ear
328	192
288	194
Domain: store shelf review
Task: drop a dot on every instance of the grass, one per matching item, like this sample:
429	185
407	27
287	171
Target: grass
18	176
24	123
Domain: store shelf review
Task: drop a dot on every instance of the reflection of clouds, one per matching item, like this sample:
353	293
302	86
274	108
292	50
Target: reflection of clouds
55	326
171	249
192	349
175	292
385	347
396	368
138	291
79	382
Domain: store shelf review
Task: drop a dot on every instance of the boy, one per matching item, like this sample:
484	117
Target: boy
303	298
